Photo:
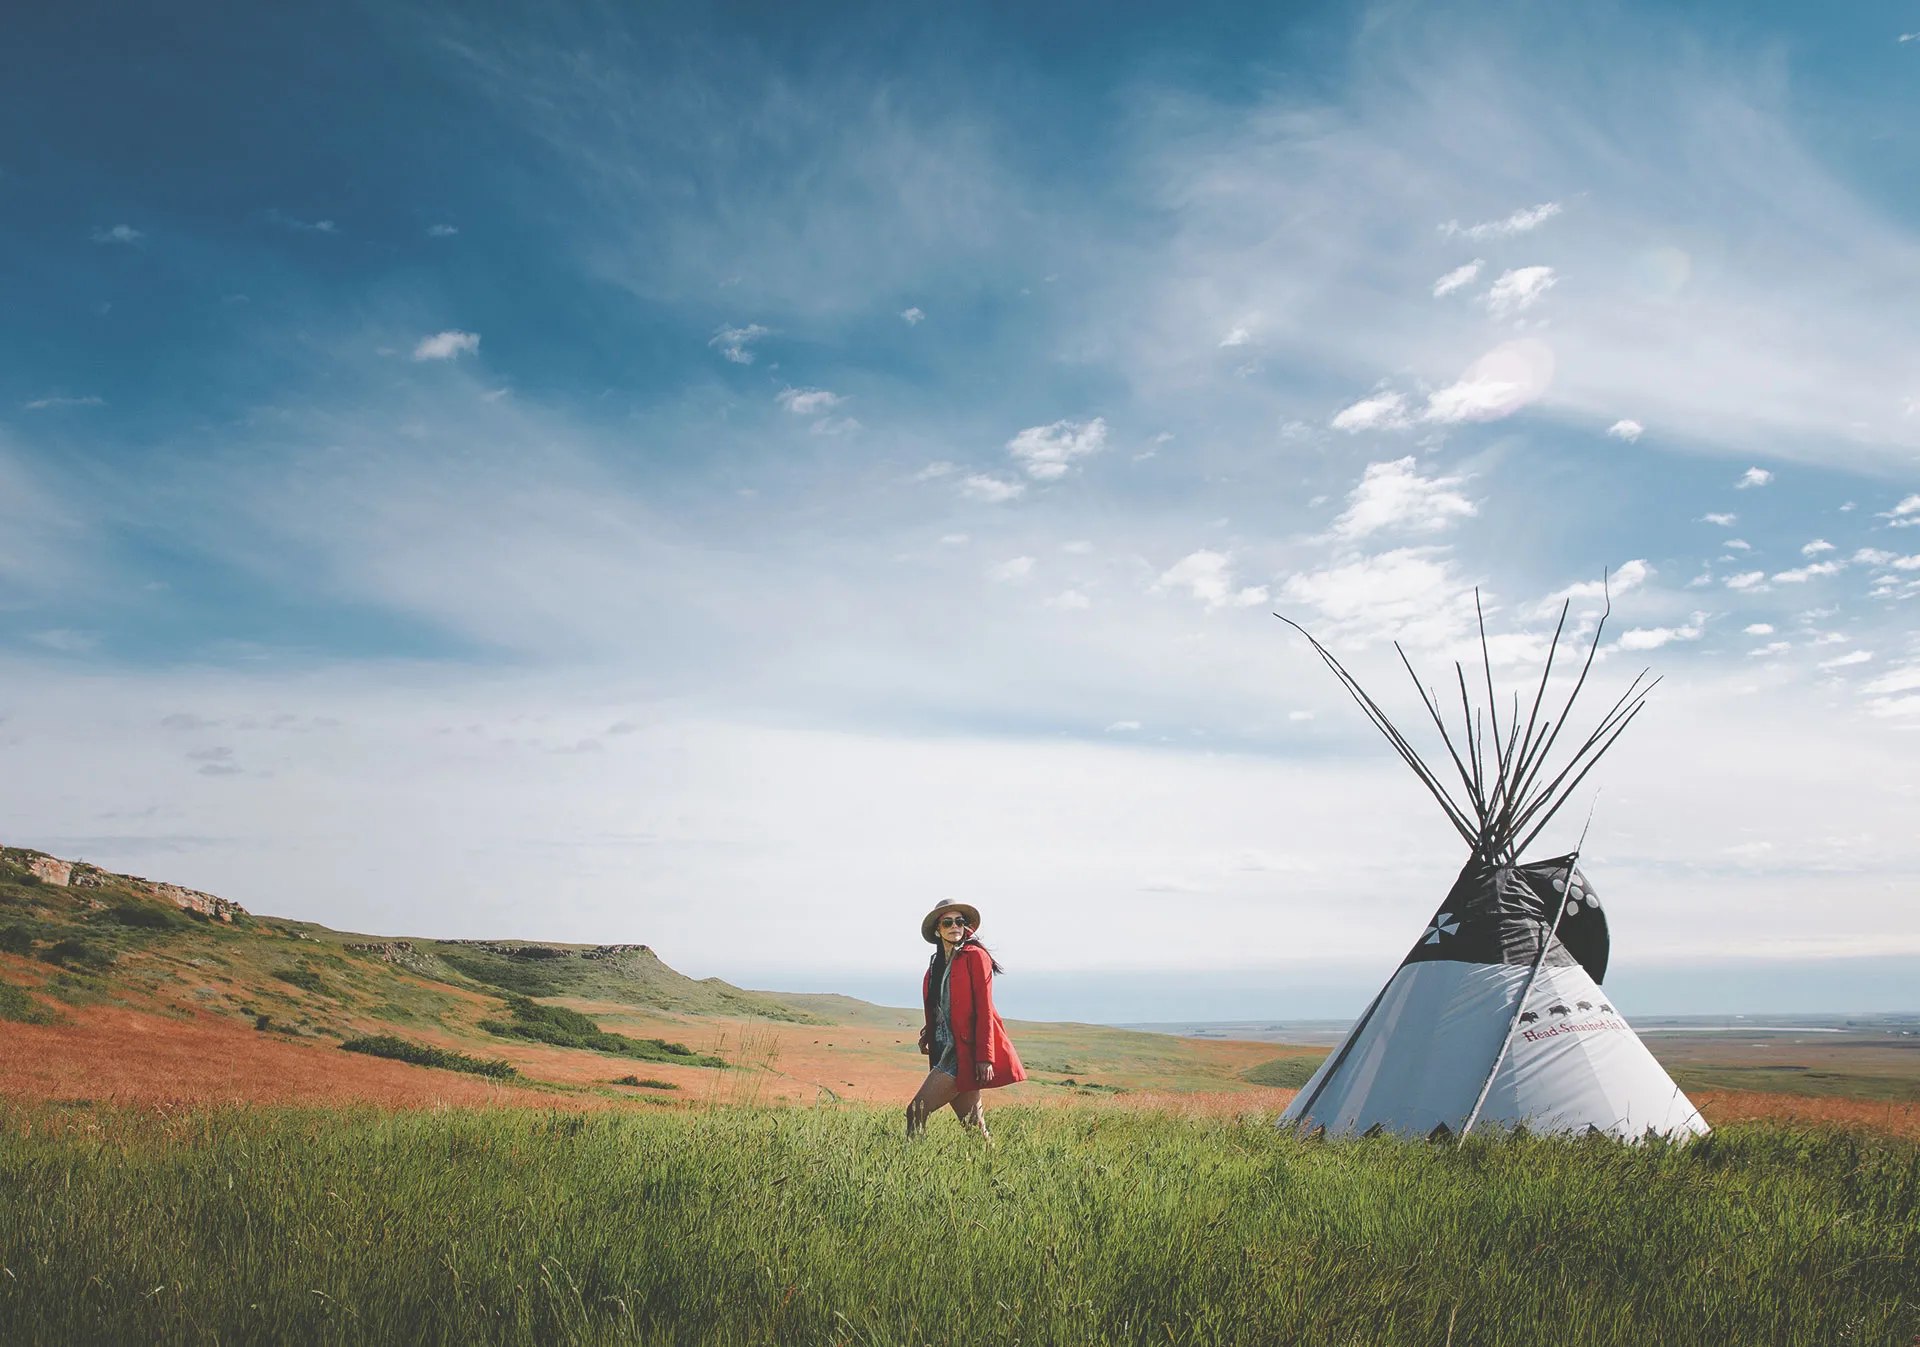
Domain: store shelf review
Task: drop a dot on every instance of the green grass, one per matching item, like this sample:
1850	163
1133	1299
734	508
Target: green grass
1079	1226
419	1054
1286	1073
1799	1080
570	1029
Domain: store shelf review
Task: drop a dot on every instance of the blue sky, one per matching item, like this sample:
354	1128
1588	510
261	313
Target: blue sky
729	477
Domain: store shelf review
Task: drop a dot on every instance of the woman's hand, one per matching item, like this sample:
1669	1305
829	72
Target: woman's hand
983	1073
926	1043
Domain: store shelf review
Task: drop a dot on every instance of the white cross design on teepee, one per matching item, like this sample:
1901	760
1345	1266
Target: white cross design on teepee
1444	924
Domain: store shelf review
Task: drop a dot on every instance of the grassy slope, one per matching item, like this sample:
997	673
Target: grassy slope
798	1226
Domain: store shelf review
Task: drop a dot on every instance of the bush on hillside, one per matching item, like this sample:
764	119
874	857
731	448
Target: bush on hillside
565	1028
21	1008
419	1054
72	953
304	978
648	1084
142	916
506	974
16	939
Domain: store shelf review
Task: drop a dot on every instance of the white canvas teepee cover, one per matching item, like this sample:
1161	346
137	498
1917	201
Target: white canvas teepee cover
1448	1035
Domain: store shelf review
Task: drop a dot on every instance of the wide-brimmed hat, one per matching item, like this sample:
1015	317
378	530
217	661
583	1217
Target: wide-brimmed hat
967	910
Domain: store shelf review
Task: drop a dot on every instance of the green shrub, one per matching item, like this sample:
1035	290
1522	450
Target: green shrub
16	939
565	1028
74	953
21	1008
509	975
304	978
647	1084
419	1054
142	916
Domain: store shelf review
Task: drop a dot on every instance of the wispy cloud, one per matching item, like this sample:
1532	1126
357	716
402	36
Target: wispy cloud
1457	279
990	490
1046	452
1518	290
1626	430
1802	574
1382	411
1394	496
1904	515
286	221
913	317
442	231
119	233
1012	570
1208	576
1520	222
447	345
1496	385
1652	638
736	343
1723	520
1753	477
808	401
52	403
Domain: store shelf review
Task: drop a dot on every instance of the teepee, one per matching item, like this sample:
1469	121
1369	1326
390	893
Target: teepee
1496	1016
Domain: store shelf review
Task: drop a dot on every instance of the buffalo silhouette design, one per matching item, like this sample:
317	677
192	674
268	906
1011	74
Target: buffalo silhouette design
1557	1009
1528	1017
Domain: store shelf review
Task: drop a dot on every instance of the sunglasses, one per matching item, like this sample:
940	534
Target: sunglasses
953	921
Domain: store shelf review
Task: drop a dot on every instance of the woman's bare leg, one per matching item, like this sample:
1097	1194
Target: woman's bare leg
966	1107
936	1091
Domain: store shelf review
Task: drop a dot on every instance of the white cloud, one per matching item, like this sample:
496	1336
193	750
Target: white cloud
1382	411
446	345
1518	290
1905	514
48	404
1121	726
1079	547
1208	576
1737	545
1068	600
1410	593
1047	451
1627	576
1652	638
1011	570
1299	715
1773	648
1520	222
1239	336
1899	680
442	231
990	489
1626	430
1723	520
1746	580
1498	384
1758	629
933	471
735	343
1753	477
118	234
1395	496
1843	661
913	317
1457	279
808	401
1817	546
953	539
1872	556
1805	573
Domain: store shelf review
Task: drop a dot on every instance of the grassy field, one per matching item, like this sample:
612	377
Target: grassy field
1081	1225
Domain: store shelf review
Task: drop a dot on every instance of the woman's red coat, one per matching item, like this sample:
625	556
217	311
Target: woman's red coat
979	1035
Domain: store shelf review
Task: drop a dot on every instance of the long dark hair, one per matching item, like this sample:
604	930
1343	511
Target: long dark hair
939	961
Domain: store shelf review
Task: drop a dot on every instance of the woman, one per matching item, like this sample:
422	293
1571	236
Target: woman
964	1038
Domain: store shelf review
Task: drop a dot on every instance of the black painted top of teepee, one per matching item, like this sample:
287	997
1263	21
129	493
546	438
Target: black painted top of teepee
1499	914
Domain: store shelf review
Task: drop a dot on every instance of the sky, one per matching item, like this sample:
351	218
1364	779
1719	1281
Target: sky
732	476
